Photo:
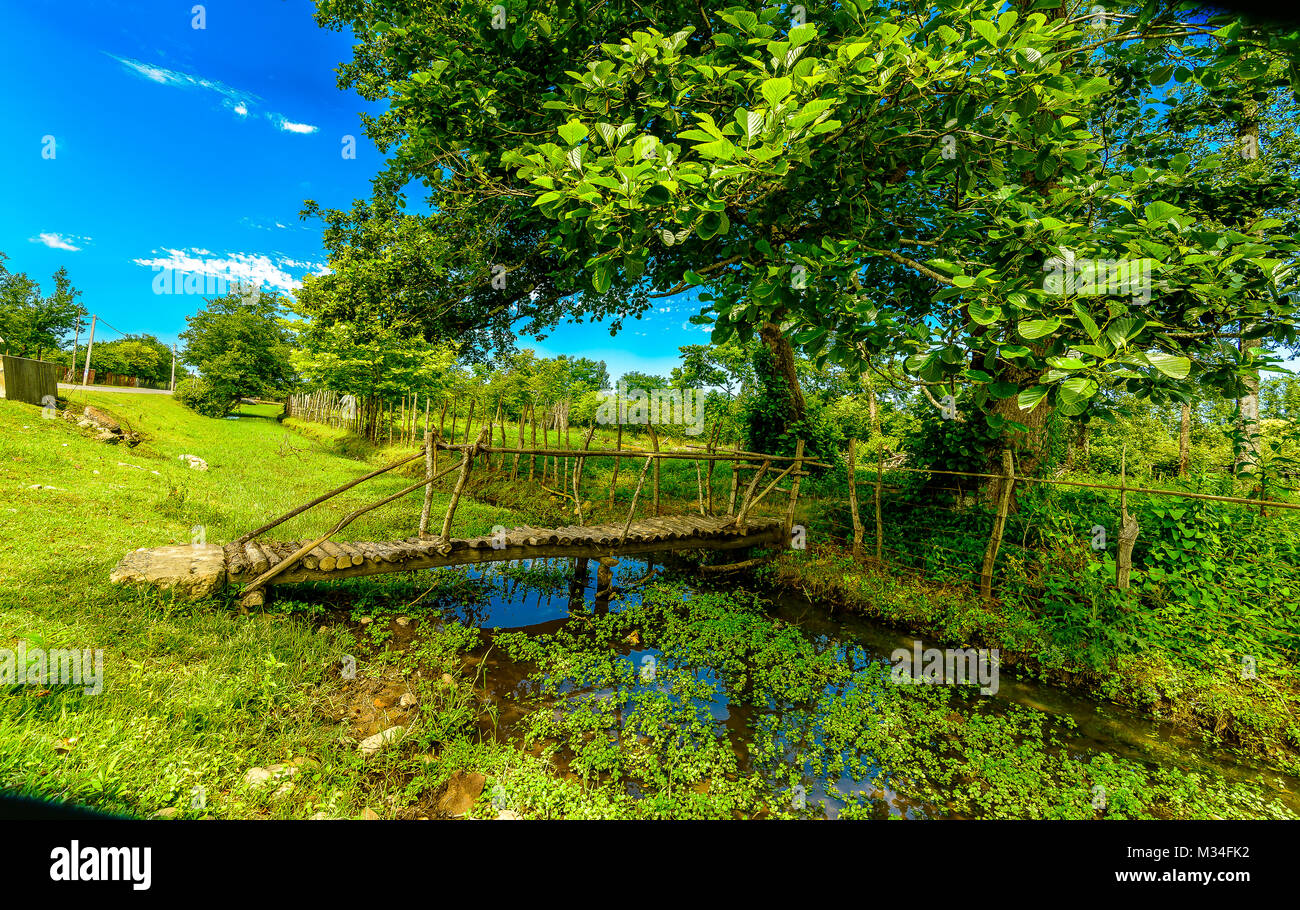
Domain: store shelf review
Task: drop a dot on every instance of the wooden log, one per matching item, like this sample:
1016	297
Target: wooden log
256	558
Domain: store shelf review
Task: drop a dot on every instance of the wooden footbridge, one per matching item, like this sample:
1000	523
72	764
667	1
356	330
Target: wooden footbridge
257	563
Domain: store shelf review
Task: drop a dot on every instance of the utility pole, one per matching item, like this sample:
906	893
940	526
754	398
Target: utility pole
173	368
90	345
75	338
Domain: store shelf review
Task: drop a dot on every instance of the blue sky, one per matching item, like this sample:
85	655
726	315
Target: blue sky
193	149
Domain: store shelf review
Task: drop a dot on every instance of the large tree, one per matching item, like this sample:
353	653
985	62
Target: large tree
240	345
864	180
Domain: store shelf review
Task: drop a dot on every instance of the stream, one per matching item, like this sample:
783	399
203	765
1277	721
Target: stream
554	599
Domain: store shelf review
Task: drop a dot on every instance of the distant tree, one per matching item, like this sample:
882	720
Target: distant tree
240	346
30	323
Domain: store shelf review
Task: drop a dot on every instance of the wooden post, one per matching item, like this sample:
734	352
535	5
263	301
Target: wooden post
514	466
546	443
469	421
577	472
430	451
999	525
654	439
635	493
735	484
708	474
442	418
1128	532
618	446
794	489
749	493
853	497
699	483
465	463
532	458
880	527
501	424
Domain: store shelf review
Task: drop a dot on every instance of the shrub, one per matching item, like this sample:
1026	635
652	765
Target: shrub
199	396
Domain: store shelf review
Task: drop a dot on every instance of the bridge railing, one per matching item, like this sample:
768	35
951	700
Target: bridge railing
705	461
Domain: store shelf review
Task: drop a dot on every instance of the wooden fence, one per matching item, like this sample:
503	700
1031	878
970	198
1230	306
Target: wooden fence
1002	495
32	381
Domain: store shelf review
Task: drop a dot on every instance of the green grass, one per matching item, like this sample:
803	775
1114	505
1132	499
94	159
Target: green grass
194	695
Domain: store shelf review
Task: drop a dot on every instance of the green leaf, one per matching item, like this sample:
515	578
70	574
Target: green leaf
573	132
1171	365
774	90
1074	394
1037	328
1161	211
1029	398
986	30
601	279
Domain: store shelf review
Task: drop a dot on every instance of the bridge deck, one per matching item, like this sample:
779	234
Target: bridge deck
211	566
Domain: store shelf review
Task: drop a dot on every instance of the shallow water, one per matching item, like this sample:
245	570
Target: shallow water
508	604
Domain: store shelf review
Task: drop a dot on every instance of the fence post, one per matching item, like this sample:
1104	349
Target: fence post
880	527
1128	532
999	525
853	497
618	460
735	484
470	452
429	450
794	489
654	439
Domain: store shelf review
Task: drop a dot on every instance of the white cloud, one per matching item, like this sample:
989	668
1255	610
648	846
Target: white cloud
59	241
235	100
288	126
256	268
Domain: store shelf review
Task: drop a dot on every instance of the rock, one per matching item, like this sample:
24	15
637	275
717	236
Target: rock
509	815
448	679
107	436
462	790
284	790
365	620
195	571
195	462
371	745
369	815
102	418
407	701
322	817
403	621
256	778
169	812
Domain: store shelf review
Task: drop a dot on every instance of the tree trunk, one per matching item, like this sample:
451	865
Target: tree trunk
783	370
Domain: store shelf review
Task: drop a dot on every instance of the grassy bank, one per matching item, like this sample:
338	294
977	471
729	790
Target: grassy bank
1255	717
